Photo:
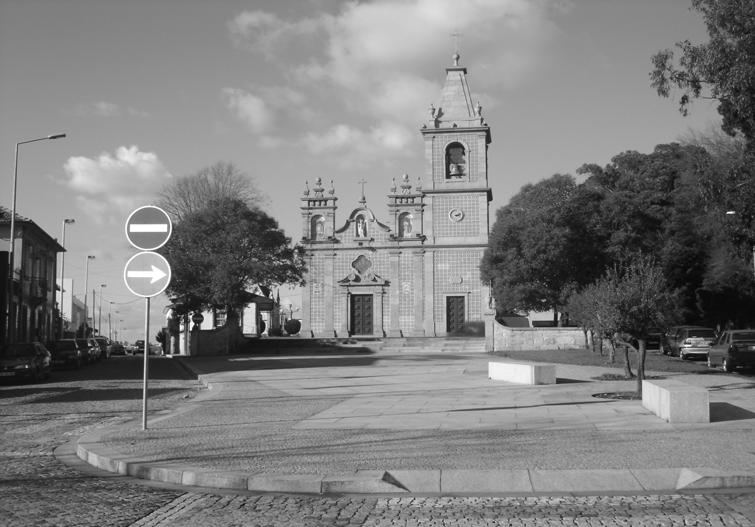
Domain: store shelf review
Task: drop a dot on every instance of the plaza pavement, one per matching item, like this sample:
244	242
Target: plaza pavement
357	421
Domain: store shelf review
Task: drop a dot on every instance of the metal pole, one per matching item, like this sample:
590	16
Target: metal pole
86	293
94	299
99	313
146	364
10	317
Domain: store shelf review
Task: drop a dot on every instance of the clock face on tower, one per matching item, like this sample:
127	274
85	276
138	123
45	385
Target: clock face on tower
455	215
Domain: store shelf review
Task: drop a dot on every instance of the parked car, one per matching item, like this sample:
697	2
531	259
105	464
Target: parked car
116	348
139	348
26	360
66	352
652	341
675	341
104	344
90	349
734	348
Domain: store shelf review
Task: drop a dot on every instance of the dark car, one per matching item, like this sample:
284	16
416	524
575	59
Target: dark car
105	348
116	348
66	352
733	349
90	349
25	360
687	341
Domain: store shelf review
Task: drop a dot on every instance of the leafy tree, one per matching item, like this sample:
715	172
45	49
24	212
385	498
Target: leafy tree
536	251
722	69
218	252
191	193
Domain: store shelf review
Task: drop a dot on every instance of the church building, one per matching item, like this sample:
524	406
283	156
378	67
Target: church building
412	269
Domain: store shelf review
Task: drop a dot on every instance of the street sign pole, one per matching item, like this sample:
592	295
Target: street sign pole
146	363
147	228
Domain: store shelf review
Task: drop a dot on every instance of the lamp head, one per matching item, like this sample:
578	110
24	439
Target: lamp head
56	136
69	221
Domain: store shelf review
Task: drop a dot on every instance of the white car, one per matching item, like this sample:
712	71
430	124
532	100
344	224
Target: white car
694	347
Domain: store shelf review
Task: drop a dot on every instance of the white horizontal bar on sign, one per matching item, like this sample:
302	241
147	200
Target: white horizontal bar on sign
148	227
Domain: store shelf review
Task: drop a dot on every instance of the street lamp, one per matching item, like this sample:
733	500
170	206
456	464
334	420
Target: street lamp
11	336
67	221
86	288
99	313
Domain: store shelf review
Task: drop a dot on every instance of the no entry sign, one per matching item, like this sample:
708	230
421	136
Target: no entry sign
148	228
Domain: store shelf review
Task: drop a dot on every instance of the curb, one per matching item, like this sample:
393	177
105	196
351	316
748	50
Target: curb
438	482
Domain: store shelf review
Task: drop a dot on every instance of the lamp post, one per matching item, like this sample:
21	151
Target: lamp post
86	293
67	221
99	313
11	335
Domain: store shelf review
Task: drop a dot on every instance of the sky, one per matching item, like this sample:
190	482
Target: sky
148	91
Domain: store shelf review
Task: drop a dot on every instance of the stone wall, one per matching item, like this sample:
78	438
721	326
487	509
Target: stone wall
502	338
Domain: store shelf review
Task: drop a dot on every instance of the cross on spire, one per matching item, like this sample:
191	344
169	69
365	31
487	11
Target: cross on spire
362	182
456	36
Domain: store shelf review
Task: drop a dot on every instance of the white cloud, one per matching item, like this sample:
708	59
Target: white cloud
115	183
107	109
250	109
382	62
350	147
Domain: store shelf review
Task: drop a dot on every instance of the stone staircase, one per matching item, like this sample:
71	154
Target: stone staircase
429	345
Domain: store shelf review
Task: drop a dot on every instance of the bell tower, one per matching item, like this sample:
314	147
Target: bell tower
456	139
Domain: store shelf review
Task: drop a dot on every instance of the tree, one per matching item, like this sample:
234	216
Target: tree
722	69
642	301
218	252
191	193
536	250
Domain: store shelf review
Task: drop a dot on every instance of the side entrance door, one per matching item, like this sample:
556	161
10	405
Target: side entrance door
361	314
454	313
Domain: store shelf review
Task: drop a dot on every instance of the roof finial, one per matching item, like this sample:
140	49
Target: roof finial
456	55
363	201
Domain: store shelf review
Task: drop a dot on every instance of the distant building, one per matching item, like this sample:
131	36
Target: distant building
72	311
415	272
33	286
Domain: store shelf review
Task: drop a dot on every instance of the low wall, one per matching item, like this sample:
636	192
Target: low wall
502	338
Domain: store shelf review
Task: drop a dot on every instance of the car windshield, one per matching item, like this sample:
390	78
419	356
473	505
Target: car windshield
742	337
704	333
21	350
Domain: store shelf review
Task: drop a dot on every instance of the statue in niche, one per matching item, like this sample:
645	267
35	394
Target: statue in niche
318	231
361	228
405	227
455	160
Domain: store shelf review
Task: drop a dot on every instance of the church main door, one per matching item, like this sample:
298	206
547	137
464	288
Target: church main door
454	313
361	315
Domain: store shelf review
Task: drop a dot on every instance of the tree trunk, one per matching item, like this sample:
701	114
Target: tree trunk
618	339
640	365
233	335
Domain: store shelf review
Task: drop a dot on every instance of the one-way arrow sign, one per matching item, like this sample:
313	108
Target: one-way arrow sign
155	274
147	274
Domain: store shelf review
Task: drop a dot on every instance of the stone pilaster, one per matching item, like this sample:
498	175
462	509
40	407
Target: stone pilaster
306	304
418	277
394	329
429	294
328	292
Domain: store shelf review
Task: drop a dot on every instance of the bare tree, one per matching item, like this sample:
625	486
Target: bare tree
192	193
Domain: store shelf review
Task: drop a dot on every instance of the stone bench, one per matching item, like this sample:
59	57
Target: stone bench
676	401
522	372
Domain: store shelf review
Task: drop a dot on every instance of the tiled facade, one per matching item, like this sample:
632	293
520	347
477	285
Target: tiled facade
415	270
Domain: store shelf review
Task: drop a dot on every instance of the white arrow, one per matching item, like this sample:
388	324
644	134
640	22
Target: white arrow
148	227
155	274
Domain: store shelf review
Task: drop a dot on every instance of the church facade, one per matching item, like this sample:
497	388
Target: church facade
414	269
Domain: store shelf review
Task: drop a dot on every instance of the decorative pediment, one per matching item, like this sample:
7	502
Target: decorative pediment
362	221
362	273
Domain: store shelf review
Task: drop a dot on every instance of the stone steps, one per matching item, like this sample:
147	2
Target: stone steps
430	345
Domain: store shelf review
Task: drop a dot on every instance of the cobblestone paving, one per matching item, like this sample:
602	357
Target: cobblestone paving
38	490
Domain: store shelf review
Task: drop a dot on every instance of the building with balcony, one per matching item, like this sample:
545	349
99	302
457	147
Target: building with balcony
32	288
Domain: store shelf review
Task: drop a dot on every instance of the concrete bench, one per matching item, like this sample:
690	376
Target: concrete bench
522	372
676	401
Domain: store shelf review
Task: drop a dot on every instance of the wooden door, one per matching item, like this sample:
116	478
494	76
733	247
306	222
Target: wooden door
454	313
361	314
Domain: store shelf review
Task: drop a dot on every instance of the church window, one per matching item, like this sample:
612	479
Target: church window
405	224
317	230
456	161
